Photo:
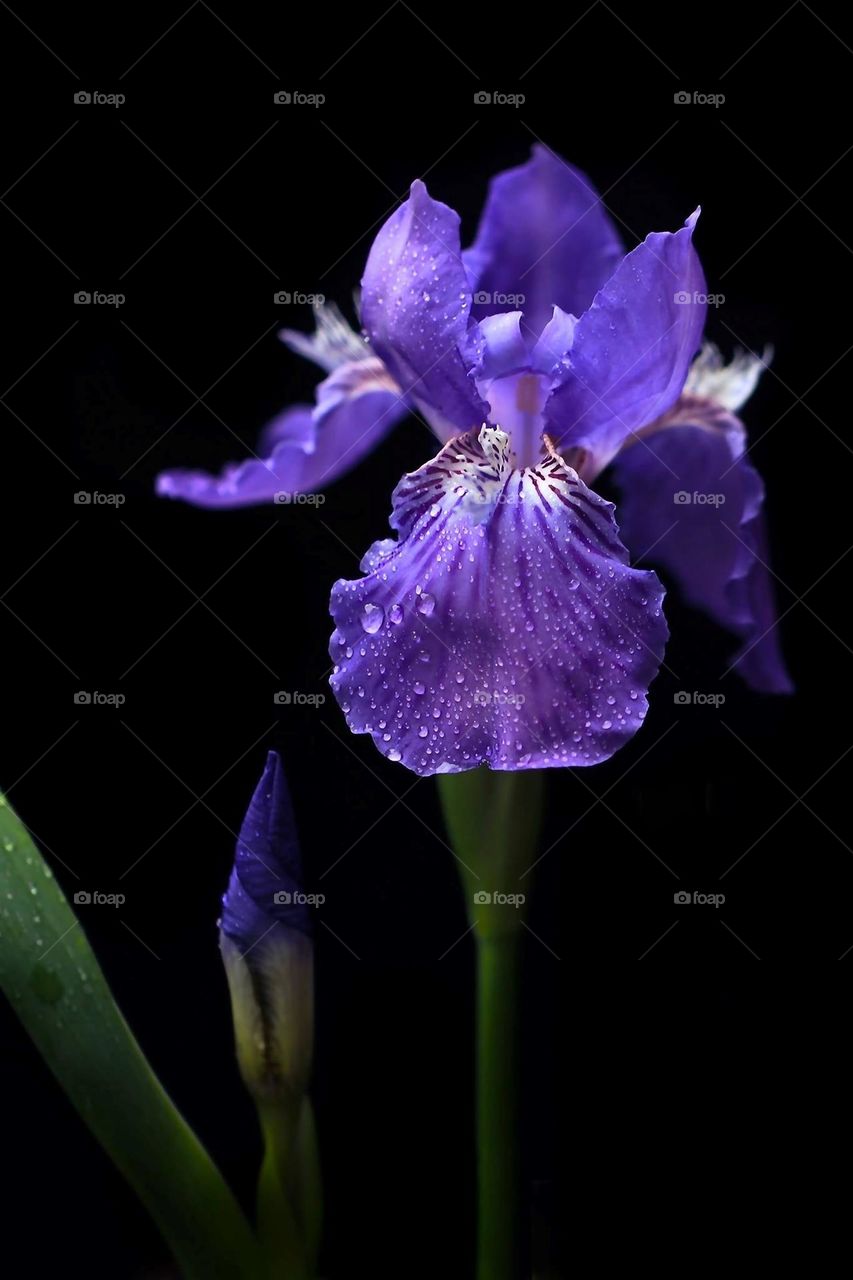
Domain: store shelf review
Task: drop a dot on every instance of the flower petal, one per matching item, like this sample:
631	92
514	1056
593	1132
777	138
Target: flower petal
416	308
498	347
334	341
504	627
692	504
544	233
266	883
632	349
303	449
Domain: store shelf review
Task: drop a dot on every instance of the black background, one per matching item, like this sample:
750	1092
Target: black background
102	599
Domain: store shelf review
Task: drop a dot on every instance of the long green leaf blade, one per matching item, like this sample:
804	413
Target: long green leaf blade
50	974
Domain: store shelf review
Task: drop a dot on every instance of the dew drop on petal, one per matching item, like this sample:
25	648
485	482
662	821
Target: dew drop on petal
372	617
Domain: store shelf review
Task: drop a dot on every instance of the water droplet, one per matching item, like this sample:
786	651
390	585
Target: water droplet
372	617
426	604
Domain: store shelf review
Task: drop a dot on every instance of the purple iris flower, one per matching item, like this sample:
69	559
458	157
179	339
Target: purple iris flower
504	624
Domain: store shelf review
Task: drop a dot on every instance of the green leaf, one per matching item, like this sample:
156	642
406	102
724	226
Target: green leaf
51	976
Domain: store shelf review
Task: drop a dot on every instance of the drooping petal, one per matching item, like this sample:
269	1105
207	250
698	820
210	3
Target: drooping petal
303	449
504	626
545	234
692	504
416	308
631	350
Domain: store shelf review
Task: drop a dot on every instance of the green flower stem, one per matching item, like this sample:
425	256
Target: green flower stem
309	1191
498	983
493	820
289	1198
278	1228
55	985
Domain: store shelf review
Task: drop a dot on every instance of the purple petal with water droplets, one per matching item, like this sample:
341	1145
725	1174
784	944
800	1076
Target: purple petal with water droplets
416	308
631	350
505	627
303	449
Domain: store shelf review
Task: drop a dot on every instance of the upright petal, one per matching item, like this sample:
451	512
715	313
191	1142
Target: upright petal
416	308
303	449
504	626
545	234
692	504
631	350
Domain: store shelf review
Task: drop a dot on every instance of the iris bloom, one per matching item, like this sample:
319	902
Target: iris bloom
504	624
